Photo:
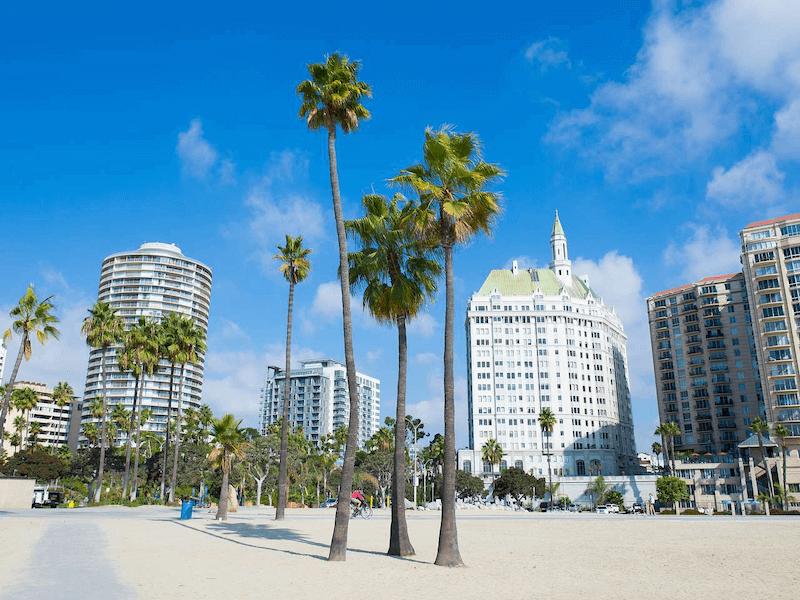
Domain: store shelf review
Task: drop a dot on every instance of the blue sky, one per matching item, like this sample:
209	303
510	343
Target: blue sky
657	130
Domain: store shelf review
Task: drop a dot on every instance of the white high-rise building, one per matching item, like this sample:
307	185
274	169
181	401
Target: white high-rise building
319	401
53	419
543	338
153	281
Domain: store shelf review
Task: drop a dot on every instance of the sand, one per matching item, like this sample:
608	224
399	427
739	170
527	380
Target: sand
507	555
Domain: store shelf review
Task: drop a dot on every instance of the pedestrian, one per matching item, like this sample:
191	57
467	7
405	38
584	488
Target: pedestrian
651	505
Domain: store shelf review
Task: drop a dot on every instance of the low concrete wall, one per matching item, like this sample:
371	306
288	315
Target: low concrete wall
16	492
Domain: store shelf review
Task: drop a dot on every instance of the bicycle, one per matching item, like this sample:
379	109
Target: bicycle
365	510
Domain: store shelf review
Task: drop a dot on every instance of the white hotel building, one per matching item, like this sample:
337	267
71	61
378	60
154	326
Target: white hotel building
542	338
318	400
153	281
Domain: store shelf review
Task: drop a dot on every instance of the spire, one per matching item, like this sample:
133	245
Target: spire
557	229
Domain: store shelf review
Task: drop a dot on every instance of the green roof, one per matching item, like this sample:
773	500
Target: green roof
557	229
522	284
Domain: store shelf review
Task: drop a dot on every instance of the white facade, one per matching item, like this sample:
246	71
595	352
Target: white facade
153	281
54	419
542	338
3	354
319	401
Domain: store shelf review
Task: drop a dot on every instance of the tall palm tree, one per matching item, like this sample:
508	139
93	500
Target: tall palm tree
492	452
91	433
599	488
454	206
761	428
205	416
547	422
397	274
656	450
63	395
662	431
139	354
295	267
29	318
191	343
671	431
25	400
331	100
120	416
34	430
169	352
781	433
103	328
229	441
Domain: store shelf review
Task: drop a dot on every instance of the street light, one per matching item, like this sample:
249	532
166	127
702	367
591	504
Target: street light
415	429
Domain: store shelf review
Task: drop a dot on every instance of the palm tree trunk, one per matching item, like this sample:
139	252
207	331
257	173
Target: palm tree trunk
99	489
135	479
283	467
785	485
10	385
549	469
222	509
169	418
767	469
338	550
130	439
448	554
399	544
174	479
665	450
672	453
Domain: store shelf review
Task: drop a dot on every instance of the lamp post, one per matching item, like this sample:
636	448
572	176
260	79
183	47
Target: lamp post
415	429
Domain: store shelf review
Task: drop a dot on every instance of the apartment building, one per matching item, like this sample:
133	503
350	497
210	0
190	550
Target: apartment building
53	419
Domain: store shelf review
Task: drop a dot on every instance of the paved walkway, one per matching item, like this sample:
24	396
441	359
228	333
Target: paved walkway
69	562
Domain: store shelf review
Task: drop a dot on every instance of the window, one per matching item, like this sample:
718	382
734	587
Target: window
467	466
791	230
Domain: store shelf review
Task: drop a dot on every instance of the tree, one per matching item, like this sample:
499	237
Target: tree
29	318
332	99
102	328
63	395
35	430
547	421
662	431
671	490
397	274
380	464
36	463
492	452
761	428
656	450
168	350
295	267
24	399
139	354
516	483
781	433
454	206
669	430
258	459
228	439
190	341
205	416
91	433
599	488
615	497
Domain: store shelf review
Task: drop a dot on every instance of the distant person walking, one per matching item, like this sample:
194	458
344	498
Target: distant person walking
651	505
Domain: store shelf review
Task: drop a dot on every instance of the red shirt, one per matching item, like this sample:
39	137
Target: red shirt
357	495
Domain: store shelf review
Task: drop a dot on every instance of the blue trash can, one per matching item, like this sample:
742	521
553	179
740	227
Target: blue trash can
186	510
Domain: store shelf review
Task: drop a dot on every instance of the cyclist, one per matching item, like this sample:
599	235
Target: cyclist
357	499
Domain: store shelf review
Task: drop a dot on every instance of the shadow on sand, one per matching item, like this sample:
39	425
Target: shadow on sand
237	532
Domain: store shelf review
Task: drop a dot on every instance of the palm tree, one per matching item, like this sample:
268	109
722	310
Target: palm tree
63	395
295	267
599	488
34	430
191	343
103	328
29	318
25	400
454	205
15	440
120	416
229	441
169	352
662	431
139	354
492	452
91	433
761	428
671	431
205	416
332	99
656	450
547	422
781	433
397	274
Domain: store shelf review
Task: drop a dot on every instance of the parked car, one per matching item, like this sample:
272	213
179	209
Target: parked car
329	503
636	509
613	508
47	496
573	508
601	509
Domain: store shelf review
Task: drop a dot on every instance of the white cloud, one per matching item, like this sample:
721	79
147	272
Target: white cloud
278	208
616	278
523	262
423	325
786	136
701	74
328	300
227	172
431	408
427	358
232	330
196	154
754	180
373	355
706	252
548	53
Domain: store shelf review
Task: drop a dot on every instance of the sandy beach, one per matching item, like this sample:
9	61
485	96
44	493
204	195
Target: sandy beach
149	553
